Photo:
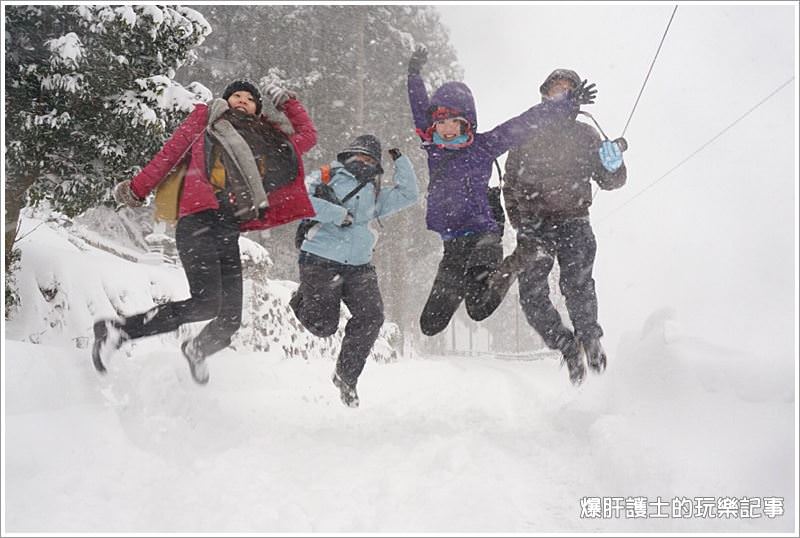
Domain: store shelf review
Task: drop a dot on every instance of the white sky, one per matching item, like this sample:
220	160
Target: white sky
715	239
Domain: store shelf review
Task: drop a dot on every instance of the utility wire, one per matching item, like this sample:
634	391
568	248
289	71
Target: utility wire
649	71
701	148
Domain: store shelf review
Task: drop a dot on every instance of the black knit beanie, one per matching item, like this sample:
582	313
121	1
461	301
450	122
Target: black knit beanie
366	144
244	85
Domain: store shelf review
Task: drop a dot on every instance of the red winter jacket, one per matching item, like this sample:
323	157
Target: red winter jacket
286	204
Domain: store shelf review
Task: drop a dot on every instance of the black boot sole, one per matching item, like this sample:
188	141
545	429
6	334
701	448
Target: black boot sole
100	336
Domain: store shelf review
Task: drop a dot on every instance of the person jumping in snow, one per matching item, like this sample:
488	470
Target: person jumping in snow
217	140
547	192
458	209
335	256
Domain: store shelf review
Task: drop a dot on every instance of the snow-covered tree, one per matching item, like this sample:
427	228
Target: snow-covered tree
89	96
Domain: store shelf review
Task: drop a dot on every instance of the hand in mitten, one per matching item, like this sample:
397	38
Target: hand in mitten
279	95
417	60
124	195
610	155
395	153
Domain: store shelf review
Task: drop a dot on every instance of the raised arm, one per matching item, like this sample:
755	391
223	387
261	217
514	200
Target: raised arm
516	130
305	134
403	193
417	94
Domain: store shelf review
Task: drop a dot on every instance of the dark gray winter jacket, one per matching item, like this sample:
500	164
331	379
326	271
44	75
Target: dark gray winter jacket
549	175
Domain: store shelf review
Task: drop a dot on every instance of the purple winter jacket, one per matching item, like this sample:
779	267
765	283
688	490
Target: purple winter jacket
457	202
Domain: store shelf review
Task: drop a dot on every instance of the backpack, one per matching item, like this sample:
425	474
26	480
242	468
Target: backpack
323	191
273	151
494	201
275	160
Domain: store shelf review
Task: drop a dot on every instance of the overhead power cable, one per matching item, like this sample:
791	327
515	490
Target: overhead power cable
701	148
649	71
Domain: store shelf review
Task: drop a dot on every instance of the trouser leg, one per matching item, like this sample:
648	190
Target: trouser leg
197	238
576	253
534	298
447	291
217	334
316	304
484	257
363	298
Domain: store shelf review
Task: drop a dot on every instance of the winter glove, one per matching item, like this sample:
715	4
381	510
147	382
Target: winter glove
610	155
279	95
395	153
124	195
417	60
348	220
583	94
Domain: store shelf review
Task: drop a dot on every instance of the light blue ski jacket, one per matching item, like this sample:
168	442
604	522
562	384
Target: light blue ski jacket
353	245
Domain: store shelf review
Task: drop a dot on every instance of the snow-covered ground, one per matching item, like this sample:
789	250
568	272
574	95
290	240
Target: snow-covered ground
439	444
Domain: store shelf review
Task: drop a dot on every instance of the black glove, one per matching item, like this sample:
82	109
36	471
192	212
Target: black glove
395	153
417	60
583	94
348	220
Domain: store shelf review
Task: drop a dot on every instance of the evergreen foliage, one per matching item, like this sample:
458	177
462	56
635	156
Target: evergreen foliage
89	94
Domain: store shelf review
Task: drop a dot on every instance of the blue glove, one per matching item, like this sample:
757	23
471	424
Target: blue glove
610	155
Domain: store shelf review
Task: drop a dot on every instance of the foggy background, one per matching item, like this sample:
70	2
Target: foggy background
708	248
714	241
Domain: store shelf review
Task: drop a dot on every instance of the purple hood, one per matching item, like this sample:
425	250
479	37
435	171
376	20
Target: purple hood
456	95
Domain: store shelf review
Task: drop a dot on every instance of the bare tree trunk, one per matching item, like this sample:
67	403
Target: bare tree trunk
15	201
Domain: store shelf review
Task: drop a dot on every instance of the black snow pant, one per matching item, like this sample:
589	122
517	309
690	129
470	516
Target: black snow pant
324	285
208	245
572	242
463	275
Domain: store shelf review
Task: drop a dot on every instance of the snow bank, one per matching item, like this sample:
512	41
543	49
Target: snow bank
456	444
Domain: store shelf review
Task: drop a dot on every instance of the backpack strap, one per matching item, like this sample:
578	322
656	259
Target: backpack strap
328	195
499	172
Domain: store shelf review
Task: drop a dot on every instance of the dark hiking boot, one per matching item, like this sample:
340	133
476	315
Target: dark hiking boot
573	357
108	337
346	391
507	271
197	362
595	354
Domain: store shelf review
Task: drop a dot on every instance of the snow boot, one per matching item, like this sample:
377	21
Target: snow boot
595	354
574	358
108	337
346	391
197	363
